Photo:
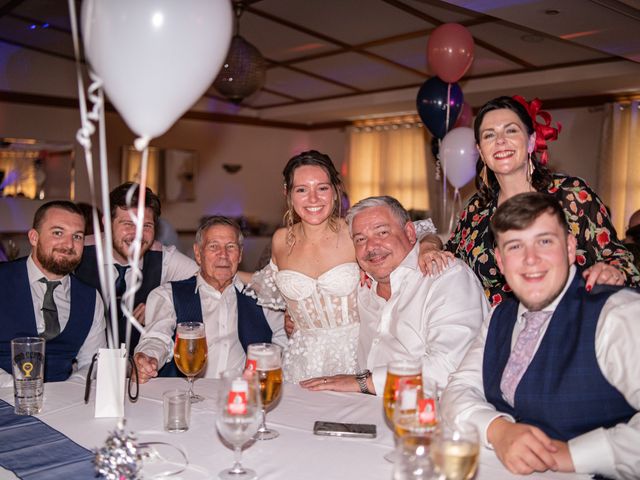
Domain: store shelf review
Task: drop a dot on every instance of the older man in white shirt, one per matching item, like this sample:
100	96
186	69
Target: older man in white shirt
405	314
553	380
214	296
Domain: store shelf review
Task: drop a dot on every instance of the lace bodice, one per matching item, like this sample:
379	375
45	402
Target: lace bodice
325	313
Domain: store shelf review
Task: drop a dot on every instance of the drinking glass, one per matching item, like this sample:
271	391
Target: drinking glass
238	418
399	372
190	352
454	451
27	361
413	461
266	360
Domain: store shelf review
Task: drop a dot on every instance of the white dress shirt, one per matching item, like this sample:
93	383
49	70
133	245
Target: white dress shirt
613	452
434	318
220	317
62	297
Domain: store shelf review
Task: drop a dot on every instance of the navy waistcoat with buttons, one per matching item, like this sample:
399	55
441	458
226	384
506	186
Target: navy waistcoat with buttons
252	324
17	319
563	392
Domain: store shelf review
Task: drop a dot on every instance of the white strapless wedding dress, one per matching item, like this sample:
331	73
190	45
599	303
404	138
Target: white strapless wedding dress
325	313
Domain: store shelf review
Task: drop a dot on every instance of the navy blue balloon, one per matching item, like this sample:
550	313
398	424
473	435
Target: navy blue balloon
432	105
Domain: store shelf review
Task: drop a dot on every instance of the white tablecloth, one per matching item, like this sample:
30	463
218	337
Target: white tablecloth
296	454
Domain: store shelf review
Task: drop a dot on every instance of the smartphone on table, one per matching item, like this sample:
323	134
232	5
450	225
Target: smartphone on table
338	429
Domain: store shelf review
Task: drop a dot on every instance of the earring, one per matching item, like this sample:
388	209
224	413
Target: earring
483	175
530	168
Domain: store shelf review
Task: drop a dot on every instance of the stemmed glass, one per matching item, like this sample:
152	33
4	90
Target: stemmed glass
190	352
399	372
238	418
266	360
454	451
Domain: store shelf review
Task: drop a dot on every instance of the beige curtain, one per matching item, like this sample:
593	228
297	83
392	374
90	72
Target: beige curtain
619	166
388	157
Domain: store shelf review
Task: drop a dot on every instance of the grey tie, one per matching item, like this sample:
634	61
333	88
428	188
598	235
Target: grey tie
50	311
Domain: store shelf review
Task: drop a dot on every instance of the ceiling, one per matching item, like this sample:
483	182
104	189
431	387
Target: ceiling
332	61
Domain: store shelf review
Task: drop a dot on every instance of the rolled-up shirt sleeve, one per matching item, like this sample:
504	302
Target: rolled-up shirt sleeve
160	317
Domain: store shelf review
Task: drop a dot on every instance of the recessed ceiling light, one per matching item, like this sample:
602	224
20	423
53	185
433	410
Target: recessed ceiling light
532	38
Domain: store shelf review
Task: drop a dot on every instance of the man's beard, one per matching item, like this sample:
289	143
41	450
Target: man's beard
122	248
58	266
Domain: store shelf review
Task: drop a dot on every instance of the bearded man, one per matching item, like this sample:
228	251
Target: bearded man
40	297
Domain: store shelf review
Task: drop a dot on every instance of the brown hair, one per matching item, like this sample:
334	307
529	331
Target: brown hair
521	210
61	204
317	159
541	176
118	198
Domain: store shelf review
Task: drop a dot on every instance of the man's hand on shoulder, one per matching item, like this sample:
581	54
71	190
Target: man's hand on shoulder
147	367
522	448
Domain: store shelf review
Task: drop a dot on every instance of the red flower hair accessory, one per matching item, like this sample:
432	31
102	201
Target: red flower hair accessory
544	130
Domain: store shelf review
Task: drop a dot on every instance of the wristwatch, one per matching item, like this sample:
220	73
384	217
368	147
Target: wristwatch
361	378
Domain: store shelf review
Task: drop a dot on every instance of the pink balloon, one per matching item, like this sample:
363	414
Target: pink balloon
450	51
465	117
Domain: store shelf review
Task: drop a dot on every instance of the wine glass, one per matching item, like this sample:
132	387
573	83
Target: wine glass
266	360
399	372
454	451
190	352
238	418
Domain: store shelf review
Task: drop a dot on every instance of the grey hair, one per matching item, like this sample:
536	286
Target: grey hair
214	220
398	211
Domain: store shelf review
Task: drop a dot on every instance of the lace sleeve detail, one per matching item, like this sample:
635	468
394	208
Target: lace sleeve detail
263	288
424	227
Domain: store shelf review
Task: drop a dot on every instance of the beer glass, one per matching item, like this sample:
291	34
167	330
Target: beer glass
266	360
27	359
190	352
238	418
399	372
454	451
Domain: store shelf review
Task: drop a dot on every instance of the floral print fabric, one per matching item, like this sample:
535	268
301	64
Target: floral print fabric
472	240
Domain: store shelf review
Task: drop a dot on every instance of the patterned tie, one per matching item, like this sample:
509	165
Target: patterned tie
50	311
522	353
121	285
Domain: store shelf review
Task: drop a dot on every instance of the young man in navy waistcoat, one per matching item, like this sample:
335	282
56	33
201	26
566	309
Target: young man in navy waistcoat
73	324
213	296
159	263
553	381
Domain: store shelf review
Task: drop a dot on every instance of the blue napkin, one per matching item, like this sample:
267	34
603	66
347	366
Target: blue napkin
33	450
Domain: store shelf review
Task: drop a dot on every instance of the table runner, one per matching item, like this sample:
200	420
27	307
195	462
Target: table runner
32	450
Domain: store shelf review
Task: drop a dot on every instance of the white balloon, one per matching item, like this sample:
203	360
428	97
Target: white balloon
459	156
155	57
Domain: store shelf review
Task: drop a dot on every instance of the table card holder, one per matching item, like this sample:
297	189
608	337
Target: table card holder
112	369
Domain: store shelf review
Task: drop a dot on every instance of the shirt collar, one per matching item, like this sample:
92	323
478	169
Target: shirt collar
202	283
35	274
553	305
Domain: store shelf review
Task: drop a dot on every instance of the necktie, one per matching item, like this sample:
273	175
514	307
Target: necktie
121	285
522	353
50	311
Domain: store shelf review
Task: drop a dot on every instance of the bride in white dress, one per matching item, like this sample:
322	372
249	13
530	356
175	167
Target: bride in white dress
313	272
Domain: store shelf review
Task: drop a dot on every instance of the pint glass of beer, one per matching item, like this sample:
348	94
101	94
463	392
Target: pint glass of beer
266	360
190	352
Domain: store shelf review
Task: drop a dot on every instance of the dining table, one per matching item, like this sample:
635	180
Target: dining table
297	453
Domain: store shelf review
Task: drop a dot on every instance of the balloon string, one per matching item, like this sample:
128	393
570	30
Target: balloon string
457	200
137	216
443	166
83	137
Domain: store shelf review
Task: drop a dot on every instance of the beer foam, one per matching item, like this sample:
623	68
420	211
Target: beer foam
266	357
189	335
404	368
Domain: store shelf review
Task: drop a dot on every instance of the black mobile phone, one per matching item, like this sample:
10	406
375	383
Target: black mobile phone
337	429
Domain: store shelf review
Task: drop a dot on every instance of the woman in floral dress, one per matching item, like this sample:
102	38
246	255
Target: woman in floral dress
509	139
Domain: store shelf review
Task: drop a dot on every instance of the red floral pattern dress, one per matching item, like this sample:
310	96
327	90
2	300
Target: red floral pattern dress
472	240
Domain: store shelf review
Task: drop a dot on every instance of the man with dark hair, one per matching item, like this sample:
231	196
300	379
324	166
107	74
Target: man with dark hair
553	381
39	297
159	264
214	296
